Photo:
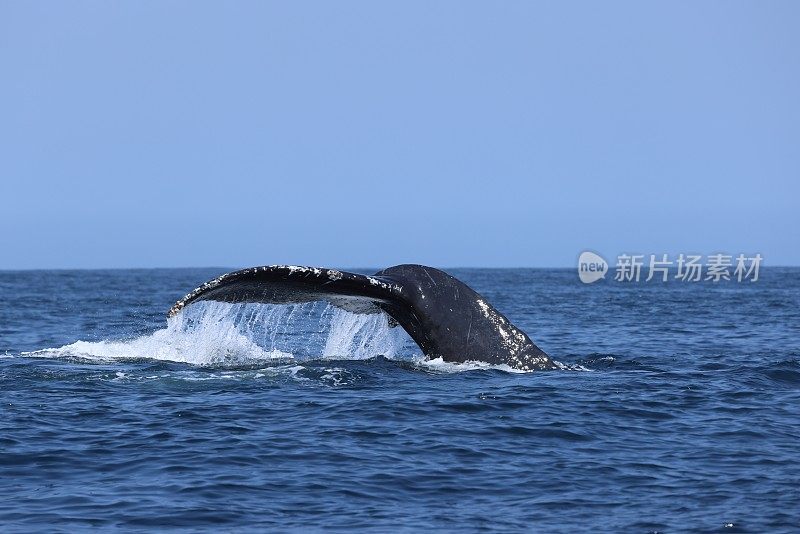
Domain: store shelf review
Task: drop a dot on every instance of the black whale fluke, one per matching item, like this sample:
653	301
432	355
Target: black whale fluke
443	315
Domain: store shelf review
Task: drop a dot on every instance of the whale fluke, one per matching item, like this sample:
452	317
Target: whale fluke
443	315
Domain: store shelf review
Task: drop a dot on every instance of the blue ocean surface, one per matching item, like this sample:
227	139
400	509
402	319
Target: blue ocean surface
677	408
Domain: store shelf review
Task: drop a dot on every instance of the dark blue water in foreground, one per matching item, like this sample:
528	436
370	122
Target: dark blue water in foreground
681	411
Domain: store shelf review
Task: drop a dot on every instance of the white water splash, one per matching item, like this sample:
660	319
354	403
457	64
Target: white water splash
440	366
357	336
216	333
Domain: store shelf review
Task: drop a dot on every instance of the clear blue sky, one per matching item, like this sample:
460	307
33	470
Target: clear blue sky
144	134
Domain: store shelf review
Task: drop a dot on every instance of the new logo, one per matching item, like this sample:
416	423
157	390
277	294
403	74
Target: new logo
591	267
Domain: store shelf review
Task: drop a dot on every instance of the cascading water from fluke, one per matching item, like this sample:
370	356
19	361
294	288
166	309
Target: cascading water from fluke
230	335
302	331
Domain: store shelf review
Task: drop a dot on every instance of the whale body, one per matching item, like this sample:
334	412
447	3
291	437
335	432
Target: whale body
443	315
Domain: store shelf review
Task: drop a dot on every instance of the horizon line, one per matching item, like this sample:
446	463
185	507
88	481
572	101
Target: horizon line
230	269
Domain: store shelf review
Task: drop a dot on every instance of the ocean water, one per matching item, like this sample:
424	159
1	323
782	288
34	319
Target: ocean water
678	409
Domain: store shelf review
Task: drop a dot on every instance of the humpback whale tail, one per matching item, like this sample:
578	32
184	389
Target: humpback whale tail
443	315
